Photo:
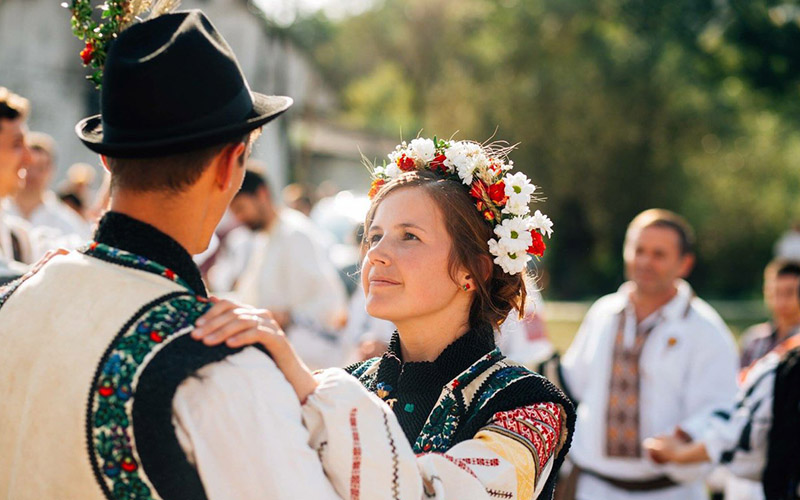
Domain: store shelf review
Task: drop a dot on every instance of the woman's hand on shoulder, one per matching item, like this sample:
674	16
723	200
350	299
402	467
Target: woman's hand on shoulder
238	325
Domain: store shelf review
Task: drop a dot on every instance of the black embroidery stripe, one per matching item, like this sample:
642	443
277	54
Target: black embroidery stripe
395	461
499	494
127	326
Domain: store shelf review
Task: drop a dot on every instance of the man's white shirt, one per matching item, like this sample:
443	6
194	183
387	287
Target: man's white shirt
687	370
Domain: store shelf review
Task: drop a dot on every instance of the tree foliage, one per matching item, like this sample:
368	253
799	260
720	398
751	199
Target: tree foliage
618	106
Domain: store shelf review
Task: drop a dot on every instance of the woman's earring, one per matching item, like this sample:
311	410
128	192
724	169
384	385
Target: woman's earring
465	287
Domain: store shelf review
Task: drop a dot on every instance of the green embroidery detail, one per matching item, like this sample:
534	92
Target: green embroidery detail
112	397
499	381
440	427
409	408
438	431
128	259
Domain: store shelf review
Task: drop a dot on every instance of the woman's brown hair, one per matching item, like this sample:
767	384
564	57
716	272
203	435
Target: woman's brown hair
496	292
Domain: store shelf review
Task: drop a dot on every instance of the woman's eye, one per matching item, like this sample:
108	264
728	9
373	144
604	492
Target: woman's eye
409	236
375	238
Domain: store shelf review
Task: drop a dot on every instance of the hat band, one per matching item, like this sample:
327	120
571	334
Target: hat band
236	110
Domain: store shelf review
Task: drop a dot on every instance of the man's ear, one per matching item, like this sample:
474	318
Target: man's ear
687	264
226	163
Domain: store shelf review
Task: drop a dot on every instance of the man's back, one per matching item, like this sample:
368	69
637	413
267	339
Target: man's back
49	361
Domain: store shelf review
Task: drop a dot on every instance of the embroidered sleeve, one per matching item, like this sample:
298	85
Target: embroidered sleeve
525	442
366	455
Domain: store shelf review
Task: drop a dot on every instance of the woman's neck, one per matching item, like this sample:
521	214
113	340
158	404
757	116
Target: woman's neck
424	339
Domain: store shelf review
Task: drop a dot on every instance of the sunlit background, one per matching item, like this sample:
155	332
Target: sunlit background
617	106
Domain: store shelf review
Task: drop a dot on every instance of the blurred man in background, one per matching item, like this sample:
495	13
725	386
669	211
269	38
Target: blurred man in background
289	273
35	202
15	248
649	359
781	283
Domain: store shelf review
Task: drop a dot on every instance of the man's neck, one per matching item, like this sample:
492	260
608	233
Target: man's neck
28	201
646	303
785	326
179	219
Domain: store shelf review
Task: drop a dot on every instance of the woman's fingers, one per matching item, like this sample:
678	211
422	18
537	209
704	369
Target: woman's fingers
230	325
219	308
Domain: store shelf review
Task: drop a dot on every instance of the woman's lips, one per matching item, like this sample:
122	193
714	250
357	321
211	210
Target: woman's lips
382	282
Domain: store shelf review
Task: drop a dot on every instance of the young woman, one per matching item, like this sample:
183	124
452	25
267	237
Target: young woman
447	240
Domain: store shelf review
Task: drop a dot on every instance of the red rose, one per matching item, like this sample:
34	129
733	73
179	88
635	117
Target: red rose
537	247
169	273
438	163
376	186
497	192
87	53
406	164
478	189
156	337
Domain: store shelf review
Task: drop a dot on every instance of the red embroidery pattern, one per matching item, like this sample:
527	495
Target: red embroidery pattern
355	477
459	462
538	424
485	462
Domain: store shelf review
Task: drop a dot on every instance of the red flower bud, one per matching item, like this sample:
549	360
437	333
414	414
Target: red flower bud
497	192
376	186
87	53
488	215
406	164
478	189
438	163
537	247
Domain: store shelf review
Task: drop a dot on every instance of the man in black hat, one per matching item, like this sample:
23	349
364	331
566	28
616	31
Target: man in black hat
104	393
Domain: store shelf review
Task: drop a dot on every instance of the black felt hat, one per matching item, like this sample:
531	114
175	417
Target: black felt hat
171	85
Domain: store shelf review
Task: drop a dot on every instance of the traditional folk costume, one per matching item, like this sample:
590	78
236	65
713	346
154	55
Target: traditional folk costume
470	424
479	425
96	371
635	380
748	439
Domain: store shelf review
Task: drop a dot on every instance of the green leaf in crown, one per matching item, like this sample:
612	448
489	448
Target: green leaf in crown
115	16
112	396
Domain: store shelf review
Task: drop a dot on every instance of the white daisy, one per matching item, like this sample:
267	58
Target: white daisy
541	222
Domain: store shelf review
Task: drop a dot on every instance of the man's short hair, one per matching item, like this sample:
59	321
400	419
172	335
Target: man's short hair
658	217
12	106
172	173
252	182
43	143
782	267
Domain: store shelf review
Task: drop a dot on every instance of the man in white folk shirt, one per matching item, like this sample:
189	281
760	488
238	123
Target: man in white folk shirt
650	359
37	204
15	248
289	273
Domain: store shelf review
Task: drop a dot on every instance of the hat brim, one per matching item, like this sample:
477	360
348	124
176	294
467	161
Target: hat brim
265	107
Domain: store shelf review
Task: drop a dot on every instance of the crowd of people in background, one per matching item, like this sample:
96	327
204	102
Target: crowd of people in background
652	360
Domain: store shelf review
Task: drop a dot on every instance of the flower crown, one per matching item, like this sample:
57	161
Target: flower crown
502	197
117	15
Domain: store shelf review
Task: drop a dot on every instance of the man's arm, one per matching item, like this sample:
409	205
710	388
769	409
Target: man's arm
239	422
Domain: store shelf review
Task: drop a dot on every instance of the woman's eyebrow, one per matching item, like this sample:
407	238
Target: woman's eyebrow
412	225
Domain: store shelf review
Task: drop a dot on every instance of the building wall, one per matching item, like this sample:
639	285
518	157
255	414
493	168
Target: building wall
39	60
